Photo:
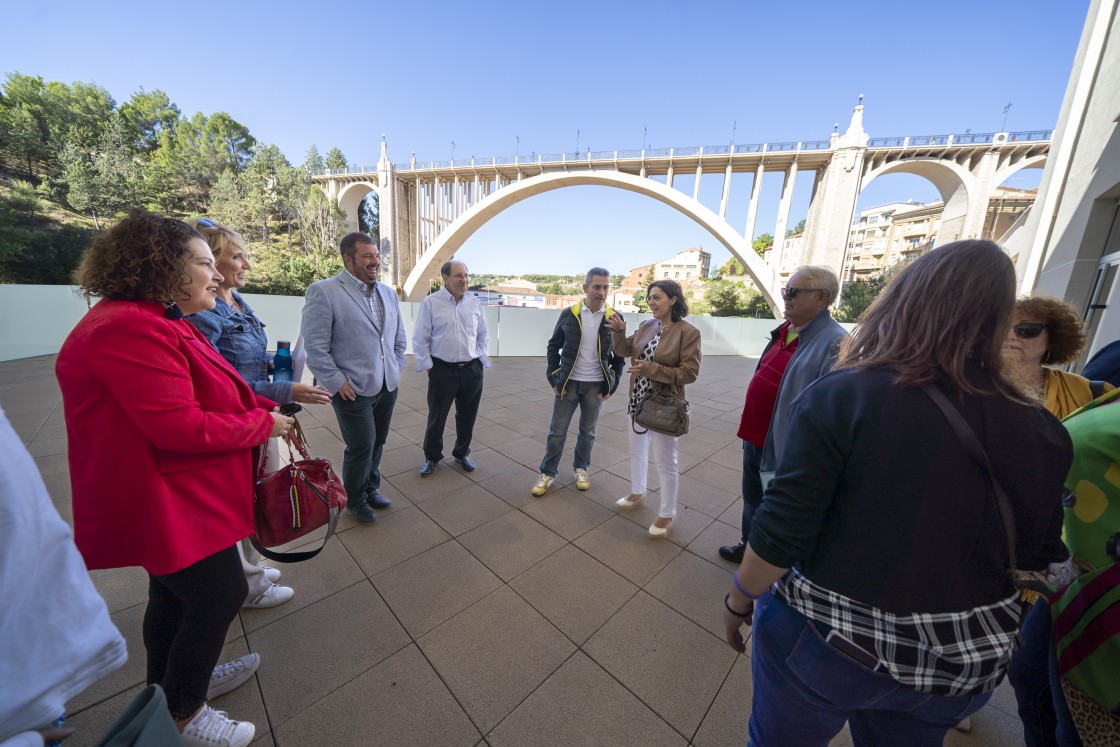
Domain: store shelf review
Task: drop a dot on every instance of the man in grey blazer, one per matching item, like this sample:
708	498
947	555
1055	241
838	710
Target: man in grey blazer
355	342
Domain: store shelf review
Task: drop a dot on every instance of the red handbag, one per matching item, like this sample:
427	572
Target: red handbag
295	500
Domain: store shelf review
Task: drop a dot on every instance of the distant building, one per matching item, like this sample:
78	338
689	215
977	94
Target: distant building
787	259
887	235
687	267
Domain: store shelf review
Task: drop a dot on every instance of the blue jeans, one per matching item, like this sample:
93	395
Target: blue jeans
804	691
364	423
752	485
582	394
1034	676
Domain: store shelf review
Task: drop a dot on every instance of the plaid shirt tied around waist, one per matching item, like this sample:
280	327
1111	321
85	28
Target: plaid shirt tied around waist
942	653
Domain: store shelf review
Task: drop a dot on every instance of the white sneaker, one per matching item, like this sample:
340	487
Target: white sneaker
582	483
232	675
212	728
964	724
272	574
274	596
543	484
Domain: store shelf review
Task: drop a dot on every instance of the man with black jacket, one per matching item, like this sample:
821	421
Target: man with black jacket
583	372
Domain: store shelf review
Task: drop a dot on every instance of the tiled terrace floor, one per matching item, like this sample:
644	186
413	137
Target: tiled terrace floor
472	613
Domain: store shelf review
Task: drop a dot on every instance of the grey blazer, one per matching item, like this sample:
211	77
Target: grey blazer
344	343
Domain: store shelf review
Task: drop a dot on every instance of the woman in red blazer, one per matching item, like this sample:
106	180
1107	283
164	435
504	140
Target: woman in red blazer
161	431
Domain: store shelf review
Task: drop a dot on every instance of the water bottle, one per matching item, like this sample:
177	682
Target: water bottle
282	363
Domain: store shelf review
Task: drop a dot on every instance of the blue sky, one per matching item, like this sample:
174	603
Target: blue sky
481	74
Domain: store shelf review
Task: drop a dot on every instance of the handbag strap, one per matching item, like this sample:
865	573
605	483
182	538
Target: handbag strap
971	444
296	557
297	442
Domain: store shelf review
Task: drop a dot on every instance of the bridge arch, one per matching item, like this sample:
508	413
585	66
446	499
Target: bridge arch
350	198
455	235
955	183
1007	171
948	177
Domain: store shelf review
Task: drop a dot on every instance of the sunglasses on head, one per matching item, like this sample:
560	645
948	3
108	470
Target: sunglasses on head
1028	330
792	292
206	223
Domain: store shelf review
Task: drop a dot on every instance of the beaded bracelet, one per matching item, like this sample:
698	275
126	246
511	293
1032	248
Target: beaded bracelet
744	592
727	604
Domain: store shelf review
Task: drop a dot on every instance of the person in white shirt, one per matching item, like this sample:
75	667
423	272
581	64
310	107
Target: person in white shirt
56	638
449	342
582	372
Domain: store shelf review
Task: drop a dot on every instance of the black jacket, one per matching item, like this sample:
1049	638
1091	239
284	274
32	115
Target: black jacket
563	348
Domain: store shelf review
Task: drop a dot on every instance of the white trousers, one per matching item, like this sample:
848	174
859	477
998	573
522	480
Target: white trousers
665	456
250	558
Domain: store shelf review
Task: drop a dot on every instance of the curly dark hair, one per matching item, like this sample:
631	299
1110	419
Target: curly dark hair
144	256
672	289
1064	325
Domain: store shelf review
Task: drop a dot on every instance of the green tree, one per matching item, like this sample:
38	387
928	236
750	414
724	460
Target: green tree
726	298
858	295
228	140
106	180
731	267
762	243
798	229
335	160
640	302
24	201
227	202
150	114
313	162
758	308
616	280
21	137
369	218
322	223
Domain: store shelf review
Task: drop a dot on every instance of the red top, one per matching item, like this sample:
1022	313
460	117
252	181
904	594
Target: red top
160	430
762	392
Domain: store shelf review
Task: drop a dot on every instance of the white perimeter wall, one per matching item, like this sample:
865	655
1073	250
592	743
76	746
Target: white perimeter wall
35	319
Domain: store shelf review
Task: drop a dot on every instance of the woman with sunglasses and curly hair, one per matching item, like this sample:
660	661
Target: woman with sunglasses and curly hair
1046	332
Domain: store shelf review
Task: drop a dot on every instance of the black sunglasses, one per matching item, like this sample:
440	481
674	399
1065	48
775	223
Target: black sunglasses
1029	330
792	292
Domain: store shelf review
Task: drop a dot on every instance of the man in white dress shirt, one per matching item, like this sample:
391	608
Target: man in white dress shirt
449	342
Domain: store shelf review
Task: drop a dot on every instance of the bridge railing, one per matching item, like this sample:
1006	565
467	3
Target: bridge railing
1029	136
974	138
911	141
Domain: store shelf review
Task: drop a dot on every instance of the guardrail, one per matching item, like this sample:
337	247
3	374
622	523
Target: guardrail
910	141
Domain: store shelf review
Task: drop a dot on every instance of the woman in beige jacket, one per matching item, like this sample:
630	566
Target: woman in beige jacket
664	353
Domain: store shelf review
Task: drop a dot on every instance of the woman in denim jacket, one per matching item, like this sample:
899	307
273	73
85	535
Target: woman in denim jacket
235	330
239	336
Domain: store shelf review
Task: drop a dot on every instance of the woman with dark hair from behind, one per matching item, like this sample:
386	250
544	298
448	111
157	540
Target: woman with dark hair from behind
160	431
880	539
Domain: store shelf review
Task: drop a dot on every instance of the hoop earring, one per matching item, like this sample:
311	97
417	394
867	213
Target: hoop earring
173	310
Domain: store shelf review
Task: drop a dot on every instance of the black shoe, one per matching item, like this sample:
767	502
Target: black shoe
734	553
362	513
377	500
466	464
427	468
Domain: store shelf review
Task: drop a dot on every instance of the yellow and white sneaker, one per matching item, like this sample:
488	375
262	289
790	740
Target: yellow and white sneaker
582	483
543	484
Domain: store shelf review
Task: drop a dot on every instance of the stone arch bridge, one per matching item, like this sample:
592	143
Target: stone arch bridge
428	210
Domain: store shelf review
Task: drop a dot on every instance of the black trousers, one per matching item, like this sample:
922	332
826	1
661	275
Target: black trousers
447	383
185	626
